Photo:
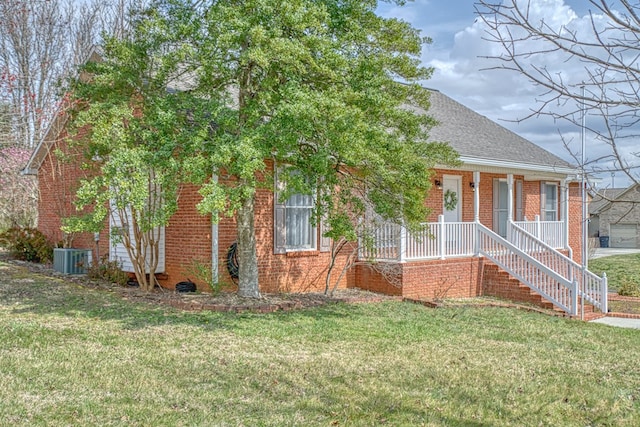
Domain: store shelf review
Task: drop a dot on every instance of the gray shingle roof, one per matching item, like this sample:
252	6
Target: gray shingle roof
475	136
605	196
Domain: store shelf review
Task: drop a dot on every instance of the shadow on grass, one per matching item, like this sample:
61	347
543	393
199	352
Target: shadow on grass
24	291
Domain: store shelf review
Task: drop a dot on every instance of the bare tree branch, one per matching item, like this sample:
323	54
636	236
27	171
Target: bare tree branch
607	89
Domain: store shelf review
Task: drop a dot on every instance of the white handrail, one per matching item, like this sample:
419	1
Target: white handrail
592	289
392	242
550	232
528	270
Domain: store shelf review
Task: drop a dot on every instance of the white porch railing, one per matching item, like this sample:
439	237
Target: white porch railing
528	270
550	232
592	288
391	242
535	262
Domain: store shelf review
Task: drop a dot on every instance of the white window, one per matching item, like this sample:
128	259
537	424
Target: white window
549	201
300	230
294	229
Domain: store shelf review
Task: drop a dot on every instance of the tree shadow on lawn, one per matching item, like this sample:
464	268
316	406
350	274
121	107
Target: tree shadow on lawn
23	291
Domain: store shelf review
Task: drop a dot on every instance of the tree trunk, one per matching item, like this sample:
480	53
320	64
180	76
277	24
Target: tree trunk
247	257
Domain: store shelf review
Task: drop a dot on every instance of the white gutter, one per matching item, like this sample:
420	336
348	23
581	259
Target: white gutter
518	165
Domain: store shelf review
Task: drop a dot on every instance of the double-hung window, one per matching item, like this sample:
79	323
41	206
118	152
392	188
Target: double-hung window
300	231
549	201
294	227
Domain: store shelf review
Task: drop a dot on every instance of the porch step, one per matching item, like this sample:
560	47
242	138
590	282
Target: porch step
498	283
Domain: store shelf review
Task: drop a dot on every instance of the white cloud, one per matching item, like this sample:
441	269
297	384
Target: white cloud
463	71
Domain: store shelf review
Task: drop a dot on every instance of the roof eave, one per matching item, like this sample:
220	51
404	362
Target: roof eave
565	170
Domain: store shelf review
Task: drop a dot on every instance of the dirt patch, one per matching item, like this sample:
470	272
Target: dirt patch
223	302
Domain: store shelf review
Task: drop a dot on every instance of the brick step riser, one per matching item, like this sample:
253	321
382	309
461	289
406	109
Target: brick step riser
513	289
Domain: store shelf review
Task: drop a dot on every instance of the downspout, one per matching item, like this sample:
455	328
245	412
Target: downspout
214	245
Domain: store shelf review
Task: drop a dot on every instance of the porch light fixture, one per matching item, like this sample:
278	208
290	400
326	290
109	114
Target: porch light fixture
472	185
438	184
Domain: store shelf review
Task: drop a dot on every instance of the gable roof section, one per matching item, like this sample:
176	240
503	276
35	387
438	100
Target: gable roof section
603	199
481	141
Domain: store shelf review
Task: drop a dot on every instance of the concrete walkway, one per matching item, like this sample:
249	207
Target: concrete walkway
619	322
602	252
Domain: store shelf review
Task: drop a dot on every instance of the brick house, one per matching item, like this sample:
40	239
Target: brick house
615	216
507	221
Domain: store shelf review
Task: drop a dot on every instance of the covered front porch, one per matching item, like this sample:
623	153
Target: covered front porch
446	258
499	202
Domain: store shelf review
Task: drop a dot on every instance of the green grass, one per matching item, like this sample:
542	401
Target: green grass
76	356
617	267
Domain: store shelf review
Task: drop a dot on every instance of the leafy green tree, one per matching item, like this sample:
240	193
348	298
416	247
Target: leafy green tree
324	92
134	130
326	87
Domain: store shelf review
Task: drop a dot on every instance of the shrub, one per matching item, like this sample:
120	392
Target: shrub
28	244
201	271
108	270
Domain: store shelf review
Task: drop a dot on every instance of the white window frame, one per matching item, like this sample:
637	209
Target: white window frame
305	230
282	211
544	193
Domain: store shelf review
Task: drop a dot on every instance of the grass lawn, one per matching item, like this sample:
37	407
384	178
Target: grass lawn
76	356
617	267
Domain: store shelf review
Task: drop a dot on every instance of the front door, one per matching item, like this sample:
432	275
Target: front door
500	206
452	198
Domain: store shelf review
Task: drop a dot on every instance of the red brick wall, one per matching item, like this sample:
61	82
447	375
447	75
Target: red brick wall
436	279
432	279
187	239
291	272
58	182
531	199
370	279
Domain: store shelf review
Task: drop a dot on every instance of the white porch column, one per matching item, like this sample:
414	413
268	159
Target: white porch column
441	234
476	196
402	244
509	204
564	211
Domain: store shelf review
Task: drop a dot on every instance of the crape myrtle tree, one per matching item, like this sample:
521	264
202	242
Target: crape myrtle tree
135	131
604	83
322	93
323	90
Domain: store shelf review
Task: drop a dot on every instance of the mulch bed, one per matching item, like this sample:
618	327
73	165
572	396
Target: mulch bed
268	303
223	302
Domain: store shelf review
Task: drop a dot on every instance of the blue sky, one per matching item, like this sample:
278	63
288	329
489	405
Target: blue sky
502	96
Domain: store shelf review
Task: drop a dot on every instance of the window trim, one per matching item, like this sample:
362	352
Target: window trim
320	243
543	200
313	229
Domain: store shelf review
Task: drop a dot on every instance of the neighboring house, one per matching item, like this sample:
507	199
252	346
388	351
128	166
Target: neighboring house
512	210
615	216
